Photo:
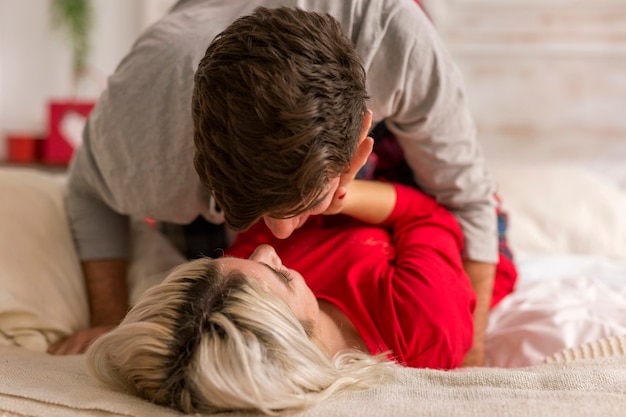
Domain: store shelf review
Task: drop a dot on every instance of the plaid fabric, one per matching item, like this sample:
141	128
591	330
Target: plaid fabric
387	159
503	225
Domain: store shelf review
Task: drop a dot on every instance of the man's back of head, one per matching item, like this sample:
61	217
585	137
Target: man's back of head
278	106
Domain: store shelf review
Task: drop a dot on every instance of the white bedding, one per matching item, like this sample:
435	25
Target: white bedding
561	301
571	253
568	232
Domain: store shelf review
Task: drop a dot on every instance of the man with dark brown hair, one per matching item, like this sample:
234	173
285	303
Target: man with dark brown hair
279	100
277	114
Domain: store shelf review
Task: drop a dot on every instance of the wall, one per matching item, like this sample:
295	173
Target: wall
35	60
544	77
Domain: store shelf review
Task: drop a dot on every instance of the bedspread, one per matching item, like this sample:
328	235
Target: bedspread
42	298
36	384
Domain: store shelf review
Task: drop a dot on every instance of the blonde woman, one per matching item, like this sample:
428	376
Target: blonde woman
213	337
382	283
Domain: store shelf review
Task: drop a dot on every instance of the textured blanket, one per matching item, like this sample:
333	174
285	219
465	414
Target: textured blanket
41	300
582	382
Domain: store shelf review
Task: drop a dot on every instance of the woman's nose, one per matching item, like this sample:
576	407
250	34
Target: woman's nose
266	254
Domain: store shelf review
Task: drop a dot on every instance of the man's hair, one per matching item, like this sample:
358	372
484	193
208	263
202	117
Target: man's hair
278	106
202	341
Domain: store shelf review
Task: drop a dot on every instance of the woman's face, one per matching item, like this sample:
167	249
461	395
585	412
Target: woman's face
265	266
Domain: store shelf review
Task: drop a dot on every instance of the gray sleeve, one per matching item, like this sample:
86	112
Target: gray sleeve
136	158
99	232
416	88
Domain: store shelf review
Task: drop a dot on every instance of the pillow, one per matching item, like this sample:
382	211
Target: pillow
42	293
561	209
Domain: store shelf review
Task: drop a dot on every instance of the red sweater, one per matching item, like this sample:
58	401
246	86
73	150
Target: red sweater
401	283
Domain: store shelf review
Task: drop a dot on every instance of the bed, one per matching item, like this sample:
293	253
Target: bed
557	346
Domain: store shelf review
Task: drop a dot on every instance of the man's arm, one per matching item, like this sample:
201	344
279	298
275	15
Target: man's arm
482	276
108	304
101	236
107	290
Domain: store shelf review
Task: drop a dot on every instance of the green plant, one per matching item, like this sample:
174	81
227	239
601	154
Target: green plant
75	18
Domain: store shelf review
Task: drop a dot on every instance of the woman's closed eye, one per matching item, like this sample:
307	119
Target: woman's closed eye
282	273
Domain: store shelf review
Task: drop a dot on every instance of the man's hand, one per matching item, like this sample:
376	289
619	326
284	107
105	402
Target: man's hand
475	356
482	276
78	342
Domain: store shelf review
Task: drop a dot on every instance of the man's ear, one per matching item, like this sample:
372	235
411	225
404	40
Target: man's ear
365	146
363	151
367	123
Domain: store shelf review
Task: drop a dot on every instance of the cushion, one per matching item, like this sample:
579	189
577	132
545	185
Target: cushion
557	209
42	293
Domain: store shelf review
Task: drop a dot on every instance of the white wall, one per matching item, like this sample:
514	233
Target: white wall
35	61
544	77
540	74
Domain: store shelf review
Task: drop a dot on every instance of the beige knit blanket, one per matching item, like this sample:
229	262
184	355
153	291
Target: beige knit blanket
586	381
607	347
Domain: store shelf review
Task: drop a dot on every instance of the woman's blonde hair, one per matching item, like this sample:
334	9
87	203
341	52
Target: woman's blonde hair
205	341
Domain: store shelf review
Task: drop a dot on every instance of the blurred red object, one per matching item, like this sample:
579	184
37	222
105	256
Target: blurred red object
66	122
23	148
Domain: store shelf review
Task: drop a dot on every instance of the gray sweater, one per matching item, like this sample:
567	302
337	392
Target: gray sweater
137	151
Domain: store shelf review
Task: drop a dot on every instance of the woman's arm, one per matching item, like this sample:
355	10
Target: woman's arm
369	201
433	299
